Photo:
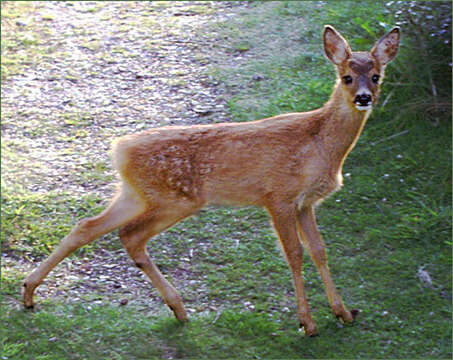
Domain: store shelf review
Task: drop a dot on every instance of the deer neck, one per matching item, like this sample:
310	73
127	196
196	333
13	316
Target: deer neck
343	125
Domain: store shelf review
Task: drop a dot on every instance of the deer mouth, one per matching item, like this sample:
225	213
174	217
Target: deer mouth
363	107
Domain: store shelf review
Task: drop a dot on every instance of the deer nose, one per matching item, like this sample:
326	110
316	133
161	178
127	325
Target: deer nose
363	99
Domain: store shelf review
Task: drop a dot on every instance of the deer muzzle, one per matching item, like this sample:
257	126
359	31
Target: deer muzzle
363	101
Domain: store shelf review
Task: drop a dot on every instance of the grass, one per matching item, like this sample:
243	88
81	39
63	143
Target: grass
392	218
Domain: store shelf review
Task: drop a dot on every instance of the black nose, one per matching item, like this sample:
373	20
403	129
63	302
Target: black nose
363	99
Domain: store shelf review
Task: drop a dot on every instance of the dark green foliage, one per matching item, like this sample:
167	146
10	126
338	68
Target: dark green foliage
422	82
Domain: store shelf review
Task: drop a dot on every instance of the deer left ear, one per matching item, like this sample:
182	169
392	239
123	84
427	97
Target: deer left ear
387	46
336	47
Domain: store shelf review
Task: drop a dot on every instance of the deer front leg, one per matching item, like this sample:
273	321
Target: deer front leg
284	220
313	242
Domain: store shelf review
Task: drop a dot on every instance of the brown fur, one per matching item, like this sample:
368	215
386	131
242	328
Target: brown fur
287	164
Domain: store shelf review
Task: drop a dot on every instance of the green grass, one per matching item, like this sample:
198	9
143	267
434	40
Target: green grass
392	218
35	223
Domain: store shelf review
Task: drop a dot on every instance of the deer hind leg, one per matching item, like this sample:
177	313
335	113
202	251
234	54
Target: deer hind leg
124	207
284	220
134	237
314	244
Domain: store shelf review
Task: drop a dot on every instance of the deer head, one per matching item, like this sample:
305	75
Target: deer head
360	73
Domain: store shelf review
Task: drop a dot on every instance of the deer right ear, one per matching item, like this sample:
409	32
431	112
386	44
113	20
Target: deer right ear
336	47
387	46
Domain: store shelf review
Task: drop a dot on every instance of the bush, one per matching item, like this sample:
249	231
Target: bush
422	79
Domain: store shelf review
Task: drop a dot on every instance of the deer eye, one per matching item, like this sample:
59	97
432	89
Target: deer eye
375	78
347	79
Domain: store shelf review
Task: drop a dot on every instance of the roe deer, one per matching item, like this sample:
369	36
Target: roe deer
287	164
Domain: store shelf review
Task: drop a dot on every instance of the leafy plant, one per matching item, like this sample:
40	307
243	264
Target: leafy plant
424	65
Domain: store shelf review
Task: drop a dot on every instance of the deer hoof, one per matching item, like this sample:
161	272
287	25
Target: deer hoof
348	317
29	307
355	313
27	297
309	330
181	316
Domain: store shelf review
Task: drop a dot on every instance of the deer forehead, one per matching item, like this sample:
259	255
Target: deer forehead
362	63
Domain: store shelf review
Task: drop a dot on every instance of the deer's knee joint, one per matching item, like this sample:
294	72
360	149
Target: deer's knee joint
84	223
295	255
140	260
83	229
319	254
139	264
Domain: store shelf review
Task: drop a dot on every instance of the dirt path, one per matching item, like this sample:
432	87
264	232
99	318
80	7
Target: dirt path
88	72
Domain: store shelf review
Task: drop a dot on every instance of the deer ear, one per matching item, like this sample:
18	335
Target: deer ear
336	47
387	46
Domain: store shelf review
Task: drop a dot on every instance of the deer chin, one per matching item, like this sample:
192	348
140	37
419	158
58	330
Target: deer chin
362	107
